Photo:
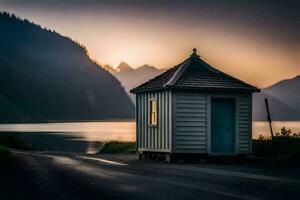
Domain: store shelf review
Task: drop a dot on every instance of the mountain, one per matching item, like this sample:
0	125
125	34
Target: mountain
130	77
45	76
284	101
123	67
283	97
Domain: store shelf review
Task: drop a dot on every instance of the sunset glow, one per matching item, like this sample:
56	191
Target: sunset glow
235	42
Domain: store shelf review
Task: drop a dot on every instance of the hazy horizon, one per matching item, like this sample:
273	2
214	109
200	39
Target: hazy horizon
258	42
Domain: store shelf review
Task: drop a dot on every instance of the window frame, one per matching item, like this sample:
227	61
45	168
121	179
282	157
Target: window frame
150	112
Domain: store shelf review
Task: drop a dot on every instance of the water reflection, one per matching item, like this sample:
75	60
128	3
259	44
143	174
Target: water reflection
84	137
93	147
53	141
89	137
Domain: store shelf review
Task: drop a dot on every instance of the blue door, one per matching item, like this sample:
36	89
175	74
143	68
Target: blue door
222	125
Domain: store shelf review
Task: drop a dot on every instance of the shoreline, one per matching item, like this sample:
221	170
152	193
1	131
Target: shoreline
71	121
116	120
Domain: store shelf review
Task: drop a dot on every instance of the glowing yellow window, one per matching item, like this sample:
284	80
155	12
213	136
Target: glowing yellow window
153	112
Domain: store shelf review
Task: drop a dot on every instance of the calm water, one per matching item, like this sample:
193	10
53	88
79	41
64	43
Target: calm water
89	131
89	137
263	127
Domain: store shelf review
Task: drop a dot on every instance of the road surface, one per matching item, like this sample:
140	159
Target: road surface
60	176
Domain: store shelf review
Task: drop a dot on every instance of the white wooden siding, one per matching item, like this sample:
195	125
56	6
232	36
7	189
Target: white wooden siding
154	138
244	124
190	116
184	122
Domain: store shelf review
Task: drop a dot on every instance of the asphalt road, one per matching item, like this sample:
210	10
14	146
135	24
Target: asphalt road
58	176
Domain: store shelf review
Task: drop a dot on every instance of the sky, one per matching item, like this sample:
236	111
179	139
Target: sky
254	40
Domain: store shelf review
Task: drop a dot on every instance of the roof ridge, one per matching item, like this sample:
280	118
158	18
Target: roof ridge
178	73
158	76
195	73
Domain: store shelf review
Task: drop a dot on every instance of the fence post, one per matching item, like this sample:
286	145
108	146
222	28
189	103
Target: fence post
270	125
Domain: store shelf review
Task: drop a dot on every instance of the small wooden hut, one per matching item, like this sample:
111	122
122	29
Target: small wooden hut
194	109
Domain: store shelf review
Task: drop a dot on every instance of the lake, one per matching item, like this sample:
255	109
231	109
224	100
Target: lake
89	137
86	137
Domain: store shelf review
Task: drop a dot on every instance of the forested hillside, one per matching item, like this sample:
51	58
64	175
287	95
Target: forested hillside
45	76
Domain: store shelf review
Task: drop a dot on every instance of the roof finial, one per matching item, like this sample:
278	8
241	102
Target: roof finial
194	54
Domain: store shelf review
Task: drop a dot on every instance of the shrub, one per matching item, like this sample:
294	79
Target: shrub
261	137
285	145
118	147
294	154
284	132
262	147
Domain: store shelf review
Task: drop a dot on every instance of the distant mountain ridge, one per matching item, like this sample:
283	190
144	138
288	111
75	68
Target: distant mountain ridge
130	77
123	67
284	101
284	96
45	76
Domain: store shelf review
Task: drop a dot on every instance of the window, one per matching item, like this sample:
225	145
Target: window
153	112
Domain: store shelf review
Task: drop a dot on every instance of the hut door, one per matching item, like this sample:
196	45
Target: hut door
222	125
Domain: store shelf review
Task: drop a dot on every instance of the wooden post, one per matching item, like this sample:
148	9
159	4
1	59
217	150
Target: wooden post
136	124
270	125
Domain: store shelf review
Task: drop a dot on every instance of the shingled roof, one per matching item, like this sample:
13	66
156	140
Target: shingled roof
195	74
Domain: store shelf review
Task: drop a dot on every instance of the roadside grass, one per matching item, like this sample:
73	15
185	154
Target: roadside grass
5	155
286	146
118	147
10	141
